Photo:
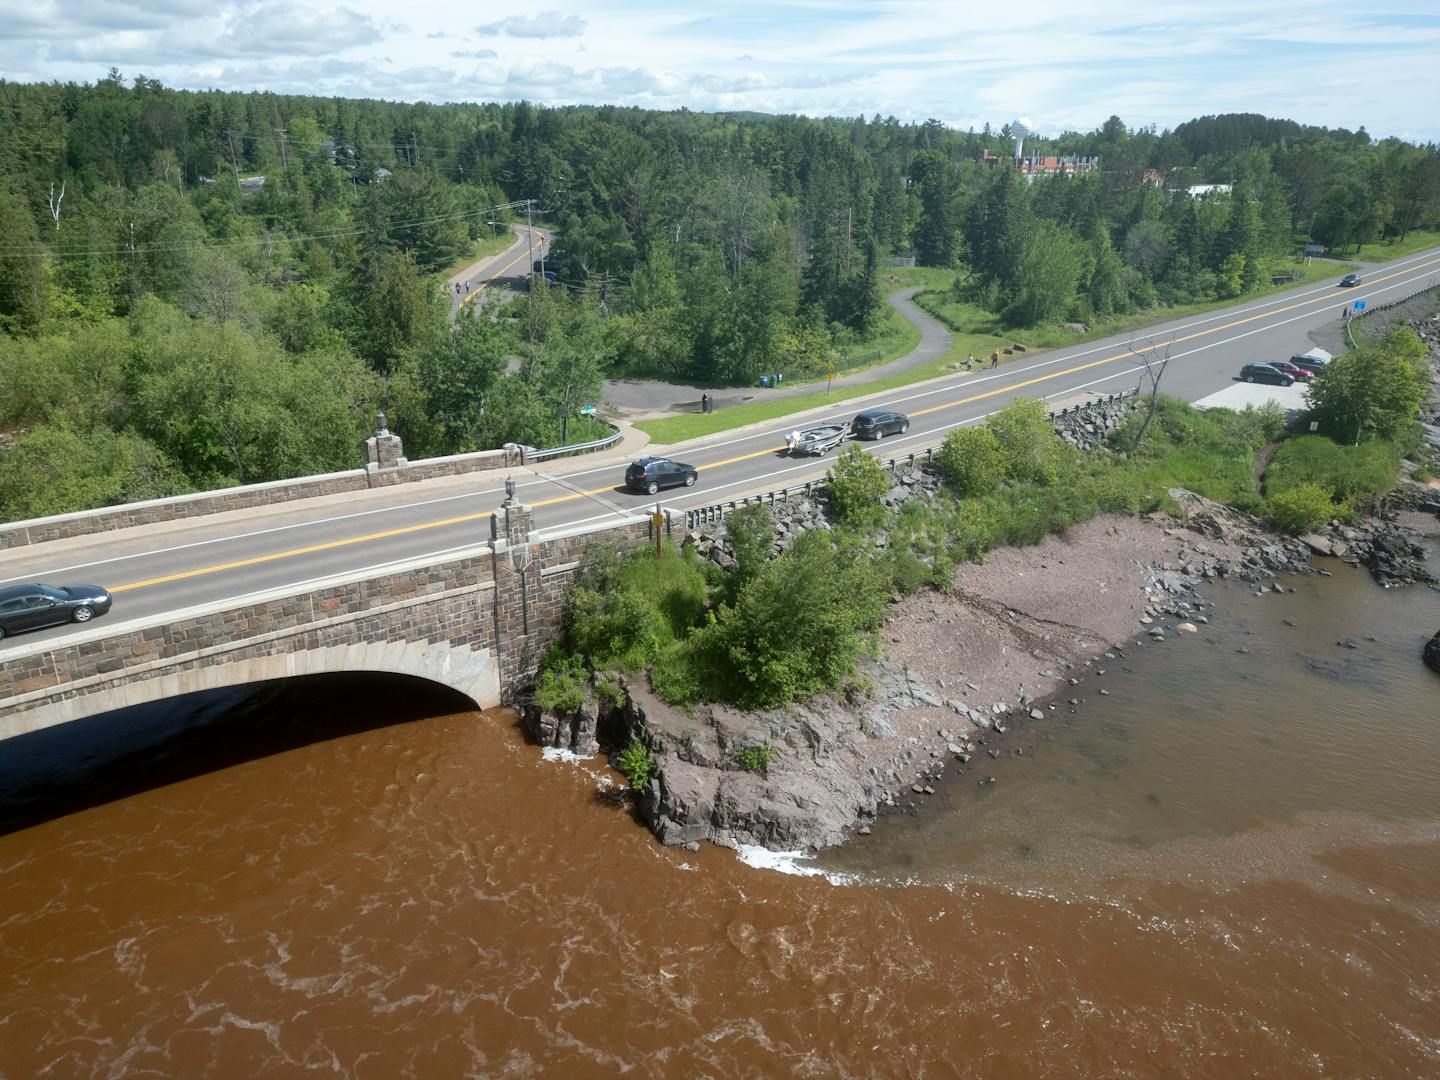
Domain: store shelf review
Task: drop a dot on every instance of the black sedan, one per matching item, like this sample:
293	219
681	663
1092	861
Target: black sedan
30	607
651	474
877	423
1351	280
1266	374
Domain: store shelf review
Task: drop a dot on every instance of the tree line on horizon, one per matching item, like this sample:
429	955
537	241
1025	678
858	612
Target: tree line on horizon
169	324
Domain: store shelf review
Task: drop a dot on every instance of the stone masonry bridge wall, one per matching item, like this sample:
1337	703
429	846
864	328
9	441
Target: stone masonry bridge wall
477	622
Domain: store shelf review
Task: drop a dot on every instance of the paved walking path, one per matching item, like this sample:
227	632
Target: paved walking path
642	399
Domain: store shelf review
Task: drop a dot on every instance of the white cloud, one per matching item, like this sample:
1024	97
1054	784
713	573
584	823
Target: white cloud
547	24
1069	66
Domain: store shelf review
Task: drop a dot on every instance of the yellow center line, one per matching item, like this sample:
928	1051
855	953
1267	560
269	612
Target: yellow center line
498	273
572	496
311	549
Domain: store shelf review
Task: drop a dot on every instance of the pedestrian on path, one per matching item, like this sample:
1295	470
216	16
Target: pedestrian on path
705	402
995	359
467	288
457	288
970	362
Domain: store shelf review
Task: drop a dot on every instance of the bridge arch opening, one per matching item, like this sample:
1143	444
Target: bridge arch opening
71	767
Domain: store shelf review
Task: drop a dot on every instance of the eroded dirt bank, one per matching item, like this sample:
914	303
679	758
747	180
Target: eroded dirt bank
1024	635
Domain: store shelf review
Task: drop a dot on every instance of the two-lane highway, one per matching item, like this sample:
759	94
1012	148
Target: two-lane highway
159	570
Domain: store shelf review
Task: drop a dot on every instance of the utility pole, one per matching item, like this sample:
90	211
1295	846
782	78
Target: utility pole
284	158
234	164
530	238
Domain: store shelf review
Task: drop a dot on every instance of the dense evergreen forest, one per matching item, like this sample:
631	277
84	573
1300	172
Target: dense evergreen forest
167	323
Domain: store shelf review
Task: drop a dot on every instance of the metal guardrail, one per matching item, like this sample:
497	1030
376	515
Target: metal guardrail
1073	409
530	453
715	514
1393	303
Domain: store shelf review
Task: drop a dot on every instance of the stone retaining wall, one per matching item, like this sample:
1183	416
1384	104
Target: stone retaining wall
1085	426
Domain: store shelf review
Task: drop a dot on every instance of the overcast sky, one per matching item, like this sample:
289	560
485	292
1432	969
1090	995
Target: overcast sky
1065	64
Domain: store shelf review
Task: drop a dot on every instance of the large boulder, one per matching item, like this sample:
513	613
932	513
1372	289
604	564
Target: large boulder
1432	652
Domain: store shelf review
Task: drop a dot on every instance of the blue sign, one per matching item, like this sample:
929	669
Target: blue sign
1359	305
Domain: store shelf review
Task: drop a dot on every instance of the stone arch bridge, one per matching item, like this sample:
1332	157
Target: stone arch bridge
476	621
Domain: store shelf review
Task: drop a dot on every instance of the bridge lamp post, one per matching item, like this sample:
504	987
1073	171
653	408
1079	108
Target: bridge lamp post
509	490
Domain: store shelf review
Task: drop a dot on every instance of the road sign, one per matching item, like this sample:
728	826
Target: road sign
587	410
1359	305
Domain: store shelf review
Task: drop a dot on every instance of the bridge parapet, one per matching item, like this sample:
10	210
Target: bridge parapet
477	621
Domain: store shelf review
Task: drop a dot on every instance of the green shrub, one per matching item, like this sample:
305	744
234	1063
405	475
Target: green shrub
1031	451
755	759
638	765
610	690
1421	474
857	484
752	539
1352	473
695	670
624	612
1301	509
563	678
617	627
1119	491
795	630
1373	391
905	573
972	461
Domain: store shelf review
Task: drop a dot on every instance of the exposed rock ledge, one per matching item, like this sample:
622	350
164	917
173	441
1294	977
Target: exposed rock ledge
1027	634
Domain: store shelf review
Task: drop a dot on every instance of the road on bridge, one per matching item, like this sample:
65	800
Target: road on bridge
159	569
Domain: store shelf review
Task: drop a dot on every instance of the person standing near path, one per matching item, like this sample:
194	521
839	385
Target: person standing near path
995	359
970	362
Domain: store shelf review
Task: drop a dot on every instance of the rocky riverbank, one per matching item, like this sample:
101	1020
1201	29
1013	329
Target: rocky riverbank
1021	637
1026	635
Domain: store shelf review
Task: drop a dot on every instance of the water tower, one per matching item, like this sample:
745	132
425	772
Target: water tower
1021	127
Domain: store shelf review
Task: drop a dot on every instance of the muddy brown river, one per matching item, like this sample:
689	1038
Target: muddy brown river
1227	867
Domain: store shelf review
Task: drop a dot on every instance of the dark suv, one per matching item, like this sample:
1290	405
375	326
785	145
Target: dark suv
877	423
1312	364
1266	374
29	607
650	474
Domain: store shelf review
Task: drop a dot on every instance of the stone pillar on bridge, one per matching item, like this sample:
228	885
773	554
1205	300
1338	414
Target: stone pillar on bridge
517	586
383	450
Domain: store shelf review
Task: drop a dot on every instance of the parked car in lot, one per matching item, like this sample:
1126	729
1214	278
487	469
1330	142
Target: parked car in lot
1265	373
650	474
30	607
1295	371
1350	280
877	423
1309	362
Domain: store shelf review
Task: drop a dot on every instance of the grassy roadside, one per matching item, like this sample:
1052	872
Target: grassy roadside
1385	250
480	249
968	319
894	337
673	429
975	333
